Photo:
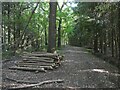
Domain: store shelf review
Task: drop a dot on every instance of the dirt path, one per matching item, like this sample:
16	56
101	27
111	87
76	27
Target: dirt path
79	69
87	71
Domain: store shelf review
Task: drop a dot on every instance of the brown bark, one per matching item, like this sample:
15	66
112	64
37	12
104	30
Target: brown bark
52	27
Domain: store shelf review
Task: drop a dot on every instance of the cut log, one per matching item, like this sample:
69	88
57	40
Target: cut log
33	57
28	69
37	60
39	52
34	63
35	66
34	52
42	55
47	57
24	86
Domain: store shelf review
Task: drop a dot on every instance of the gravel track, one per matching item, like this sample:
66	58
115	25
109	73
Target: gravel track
79	69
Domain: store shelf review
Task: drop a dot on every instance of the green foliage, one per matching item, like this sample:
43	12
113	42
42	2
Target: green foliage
92	25
31	35
96	27
7	54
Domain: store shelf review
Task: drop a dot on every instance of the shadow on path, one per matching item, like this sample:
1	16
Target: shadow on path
79	69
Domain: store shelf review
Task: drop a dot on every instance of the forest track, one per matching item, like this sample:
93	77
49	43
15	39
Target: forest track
79	69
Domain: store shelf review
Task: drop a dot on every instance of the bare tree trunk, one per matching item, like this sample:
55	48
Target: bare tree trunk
3	31
59	33
119	40
105	43
18	27
101	41
116	44
95	41
112	32
112	42
119	29
14	31
46	37
52	27
59	27
9	31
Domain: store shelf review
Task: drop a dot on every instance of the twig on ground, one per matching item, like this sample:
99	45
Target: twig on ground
23	86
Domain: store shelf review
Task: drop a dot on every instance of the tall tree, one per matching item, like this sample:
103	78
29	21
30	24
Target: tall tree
119	40
52	27
119	30
9	31
24	32
59	25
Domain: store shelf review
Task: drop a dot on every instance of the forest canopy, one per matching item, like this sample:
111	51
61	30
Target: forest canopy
25	25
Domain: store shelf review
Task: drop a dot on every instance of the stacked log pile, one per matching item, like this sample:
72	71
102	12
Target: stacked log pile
38	62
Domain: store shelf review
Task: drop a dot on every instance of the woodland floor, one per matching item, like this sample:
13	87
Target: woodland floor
79	69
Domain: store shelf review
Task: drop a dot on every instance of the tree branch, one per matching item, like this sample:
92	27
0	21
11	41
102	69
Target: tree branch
38	84
24	31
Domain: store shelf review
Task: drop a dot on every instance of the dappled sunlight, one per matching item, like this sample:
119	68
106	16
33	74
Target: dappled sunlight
73	51
100	71
73	42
